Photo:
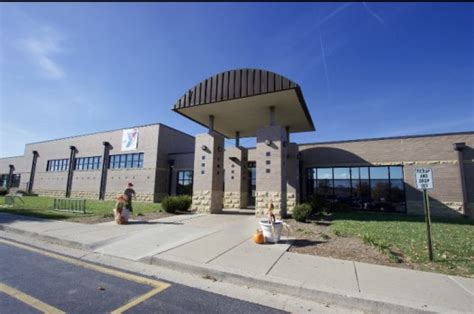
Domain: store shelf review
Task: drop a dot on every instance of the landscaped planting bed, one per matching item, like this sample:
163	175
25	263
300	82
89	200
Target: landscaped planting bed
389	239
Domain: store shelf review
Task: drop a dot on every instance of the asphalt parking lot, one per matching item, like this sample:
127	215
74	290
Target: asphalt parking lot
34	281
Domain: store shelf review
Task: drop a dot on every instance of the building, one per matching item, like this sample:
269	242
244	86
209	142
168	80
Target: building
370	174
99	165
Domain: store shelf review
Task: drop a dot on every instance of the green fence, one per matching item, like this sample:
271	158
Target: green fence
70	204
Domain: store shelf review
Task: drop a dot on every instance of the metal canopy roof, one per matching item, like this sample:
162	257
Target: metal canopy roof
240	100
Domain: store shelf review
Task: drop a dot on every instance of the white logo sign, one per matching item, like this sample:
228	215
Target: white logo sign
424	178
129	139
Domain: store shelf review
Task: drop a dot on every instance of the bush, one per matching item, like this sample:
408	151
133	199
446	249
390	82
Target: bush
301	212
3	191
172	204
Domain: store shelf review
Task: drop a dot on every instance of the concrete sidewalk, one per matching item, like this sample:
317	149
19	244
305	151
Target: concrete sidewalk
220	246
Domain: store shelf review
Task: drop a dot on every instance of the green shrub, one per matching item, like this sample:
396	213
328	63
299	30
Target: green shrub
172	204
3	191
301	212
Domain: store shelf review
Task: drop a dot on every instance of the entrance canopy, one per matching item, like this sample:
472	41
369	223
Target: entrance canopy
240	101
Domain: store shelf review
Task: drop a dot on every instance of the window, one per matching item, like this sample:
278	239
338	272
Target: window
342	182
184	182
88	163
15	181
372	188
57	165
4	180
379	184
324	176
134	160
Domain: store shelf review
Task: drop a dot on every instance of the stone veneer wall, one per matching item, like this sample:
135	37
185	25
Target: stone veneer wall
86	195
437	208
234	199
51	193
141	197
261	202
204	201
290	202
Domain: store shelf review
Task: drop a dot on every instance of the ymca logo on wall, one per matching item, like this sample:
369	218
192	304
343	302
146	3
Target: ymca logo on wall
129	139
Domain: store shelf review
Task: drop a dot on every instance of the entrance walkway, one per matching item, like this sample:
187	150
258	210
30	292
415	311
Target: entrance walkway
220	246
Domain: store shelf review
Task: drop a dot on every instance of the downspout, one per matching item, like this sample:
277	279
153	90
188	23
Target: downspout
33	171
459	147
72	162
10	177
105	167
170	175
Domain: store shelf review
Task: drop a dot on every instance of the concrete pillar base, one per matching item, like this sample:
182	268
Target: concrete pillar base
207	202
235	200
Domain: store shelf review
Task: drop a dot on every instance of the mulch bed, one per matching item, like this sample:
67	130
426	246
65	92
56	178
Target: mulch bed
317	239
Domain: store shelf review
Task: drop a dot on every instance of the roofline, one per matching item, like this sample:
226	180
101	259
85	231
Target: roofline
201	124
176	130
299	95
107	131
13	156
389	138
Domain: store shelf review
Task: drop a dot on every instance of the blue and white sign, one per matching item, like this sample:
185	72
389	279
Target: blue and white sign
424	178
129	139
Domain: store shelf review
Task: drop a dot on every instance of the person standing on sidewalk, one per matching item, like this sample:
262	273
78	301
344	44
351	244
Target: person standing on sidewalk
129	192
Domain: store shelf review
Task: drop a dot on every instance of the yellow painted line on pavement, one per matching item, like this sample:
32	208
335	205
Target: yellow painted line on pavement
27	299
137	301
156	284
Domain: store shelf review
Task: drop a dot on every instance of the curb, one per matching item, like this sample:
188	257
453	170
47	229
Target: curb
344	300
52	240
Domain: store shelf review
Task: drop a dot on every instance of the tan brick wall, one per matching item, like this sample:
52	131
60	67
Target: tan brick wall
435	152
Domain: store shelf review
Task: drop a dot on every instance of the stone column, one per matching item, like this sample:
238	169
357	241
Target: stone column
271	169
236	177
293	179
208	185
32	172
459	147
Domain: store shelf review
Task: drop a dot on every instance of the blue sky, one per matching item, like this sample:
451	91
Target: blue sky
366	70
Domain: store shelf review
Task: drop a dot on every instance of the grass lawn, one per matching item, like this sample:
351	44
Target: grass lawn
403	237
42	207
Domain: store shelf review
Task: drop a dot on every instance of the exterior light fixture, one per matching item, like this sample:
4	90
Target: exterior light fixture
268	142
204	147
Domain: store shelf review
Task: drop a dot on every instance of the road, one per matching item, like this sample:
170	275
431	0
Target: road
35	281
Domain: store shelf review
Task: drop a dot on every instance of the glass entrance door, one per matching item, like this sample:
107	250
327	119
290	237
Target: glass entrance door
252	183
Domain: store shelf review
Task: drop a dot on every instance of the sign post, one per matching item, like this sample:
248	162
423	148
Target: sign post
424	181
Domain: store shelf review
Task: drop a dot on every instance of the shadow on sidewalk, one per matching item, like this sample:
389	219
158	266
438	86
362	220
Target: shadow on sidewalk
145	222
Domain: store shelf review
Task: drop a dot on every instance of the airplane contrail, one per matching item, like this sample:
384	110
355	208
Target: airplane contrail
375	15
323	54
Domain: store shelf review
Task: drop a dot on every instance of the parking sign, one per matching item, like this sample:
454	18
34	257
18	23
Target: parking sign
424	178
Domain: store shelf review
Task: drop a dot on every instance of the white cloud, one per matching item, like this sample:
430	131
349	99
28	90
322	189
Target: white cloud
41	48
